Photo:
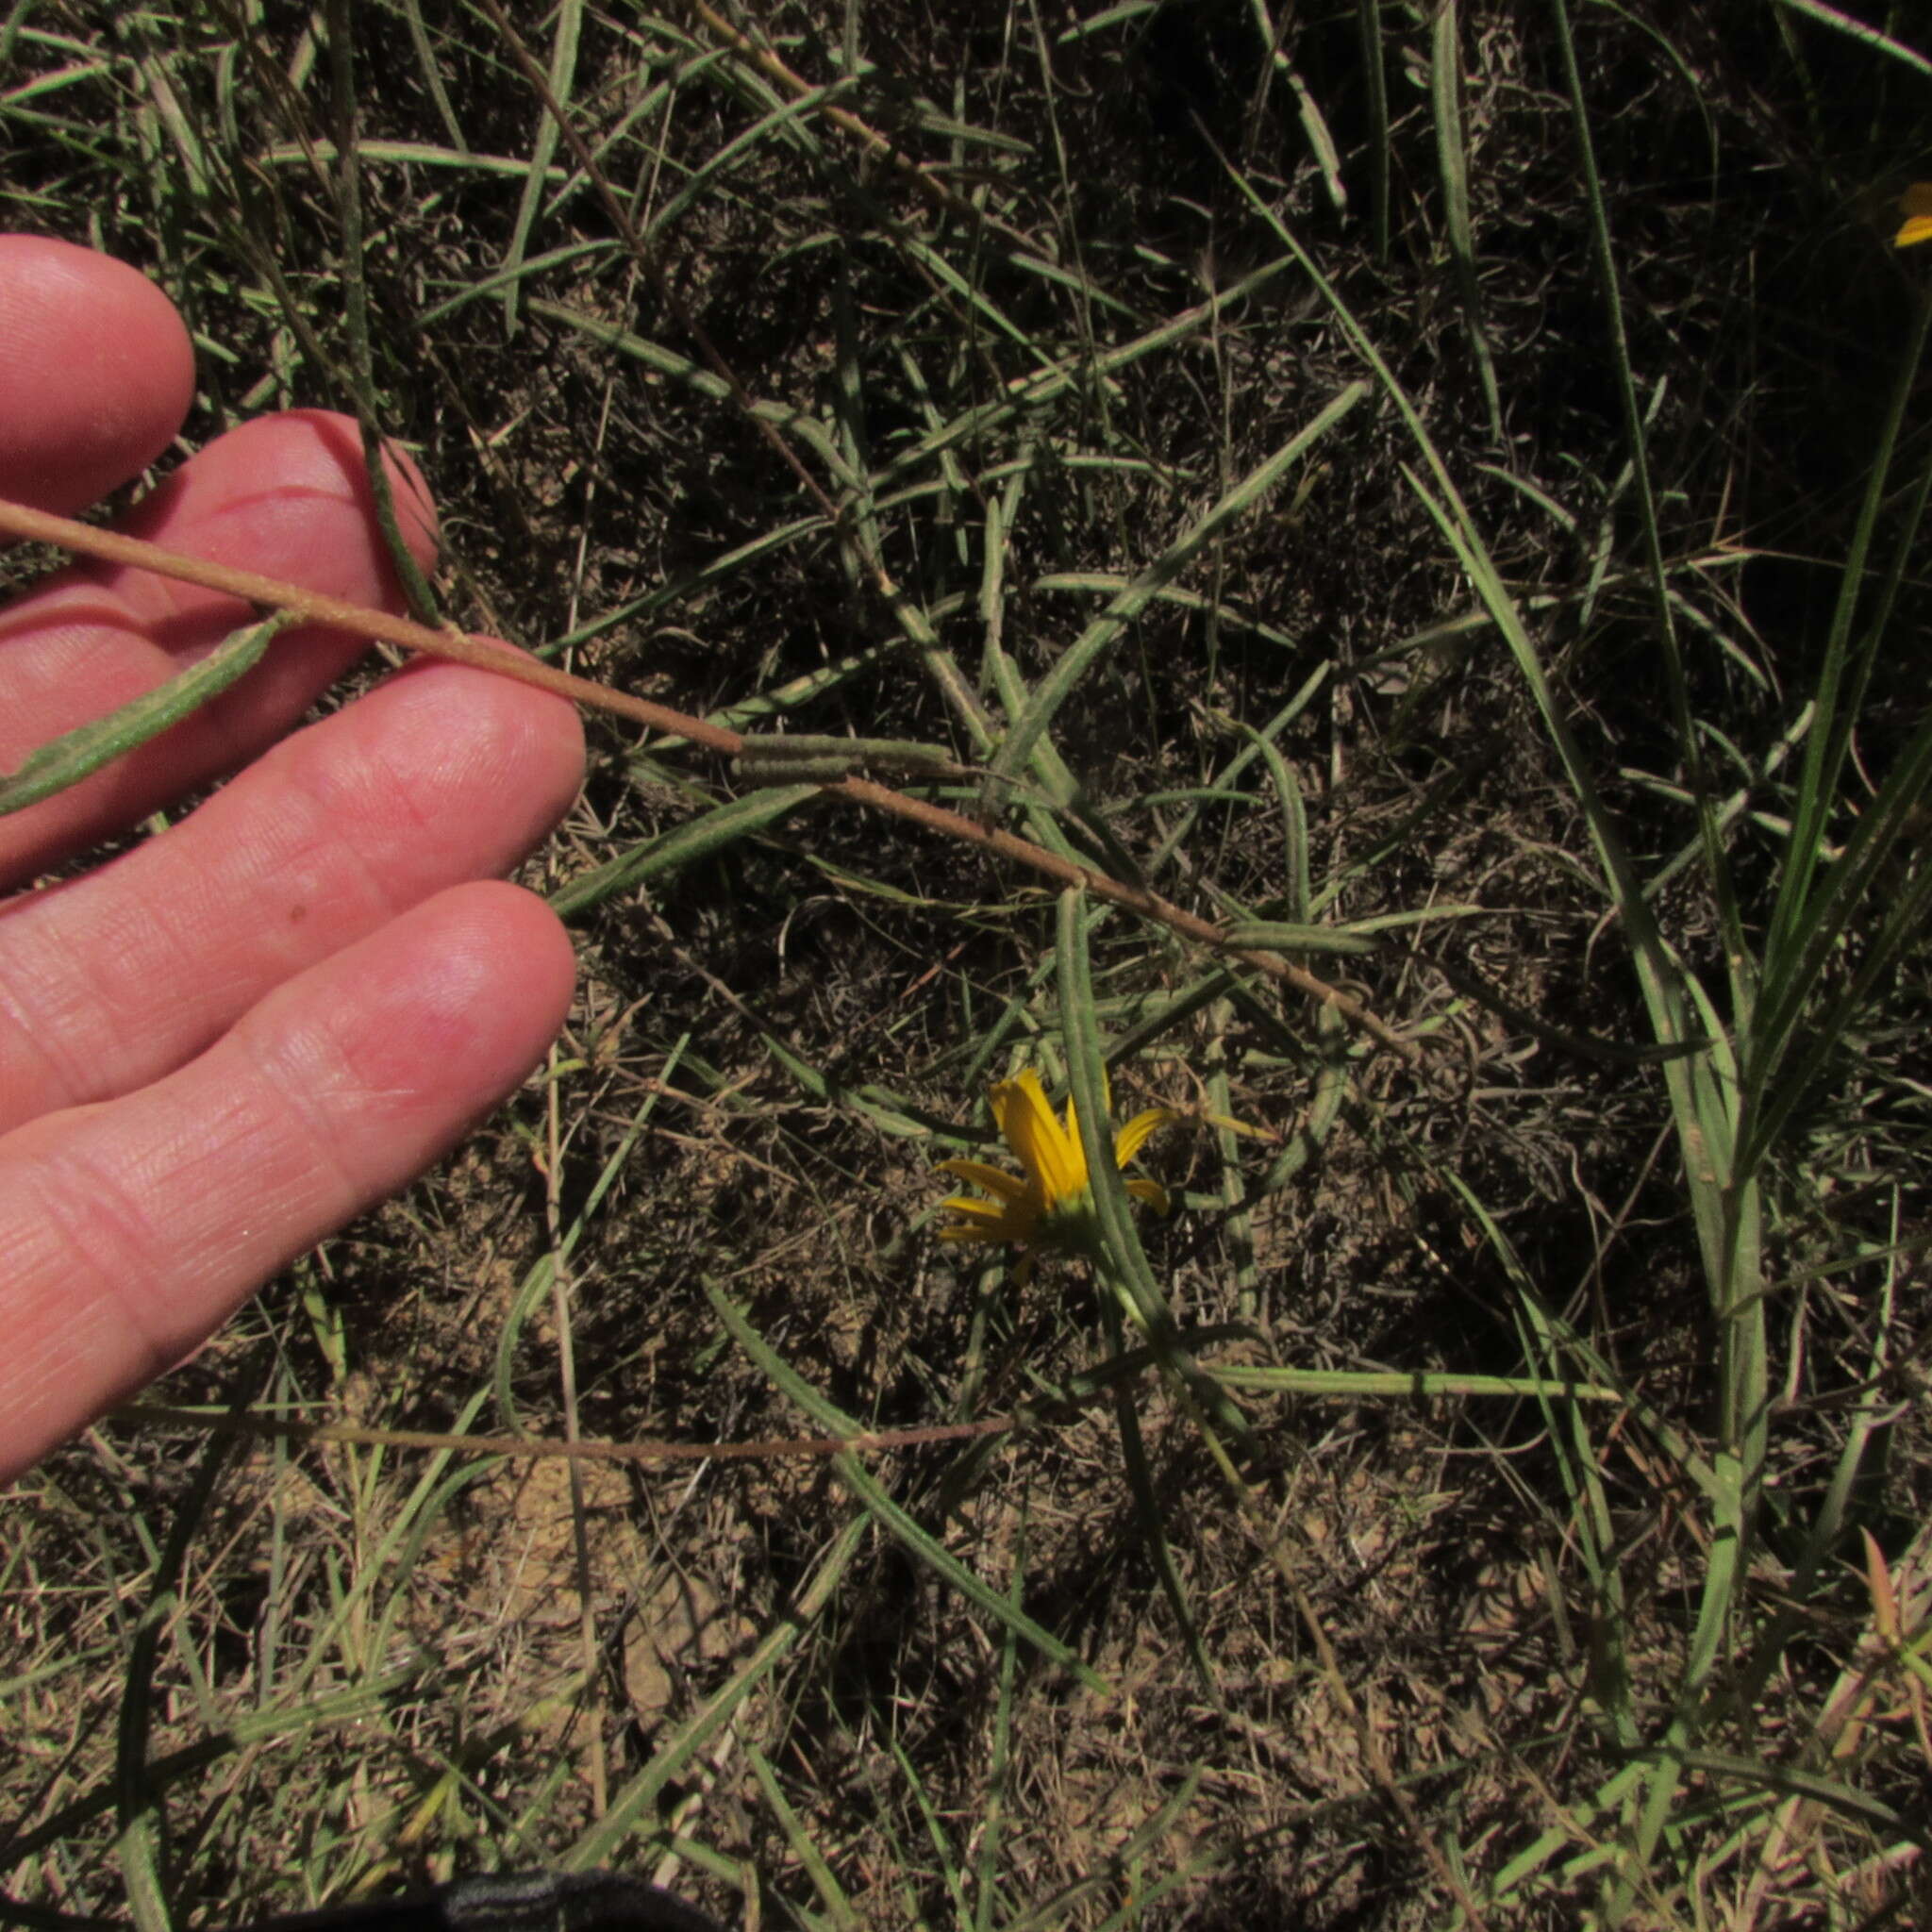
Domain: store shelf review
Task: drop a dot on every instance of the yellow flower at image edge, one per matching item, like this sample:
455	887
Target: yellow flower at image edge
1915	203
1049	1205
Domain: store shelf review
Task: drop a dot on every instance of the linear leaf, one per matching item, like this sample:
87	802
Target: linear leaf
697	839
1130	1273
81	753
632	1807
563	81
1452	154
856	1477
1857	31
1055	688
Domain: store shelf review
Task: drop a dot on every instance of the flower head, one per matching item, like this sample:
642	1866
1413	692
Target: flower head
1915	203
1050	1205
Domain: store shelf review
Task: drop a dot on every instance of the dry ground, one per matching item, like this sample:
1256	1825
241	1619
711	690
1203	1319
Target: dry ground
1438	1655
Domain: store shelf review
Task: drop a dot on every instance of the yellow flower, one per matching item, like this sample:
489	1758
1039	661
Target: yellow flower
1049	1205
1915	203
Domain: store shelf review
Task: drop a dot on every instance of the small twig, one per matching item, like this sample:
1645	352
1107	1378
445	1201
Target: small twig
1148	905
484	654
378	626
538	1448
863	132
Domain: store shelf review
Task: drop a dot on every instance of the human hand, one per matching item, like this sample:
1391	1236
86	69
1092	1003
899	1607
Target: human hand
237	1035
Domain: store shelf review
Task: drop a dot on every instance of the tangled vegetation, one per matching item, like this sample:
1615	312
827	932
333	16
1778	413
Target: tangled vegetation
1430	497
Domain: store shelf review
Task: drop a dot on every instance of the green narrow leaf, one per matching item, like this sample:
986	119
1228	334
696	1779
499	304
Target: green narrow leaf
698	838
1857	31
1576	1455
1870	1421
1055	688
999	1767
537	1282
1794	921
431	70
81	753
856	1477
562	80
1757	1774
1635	429
137	1801
742	147
1123	1867
1076	373
839	1908
1129	1271
936	1832
1411	1385
1371	25
1294	824
354	260
1452	156
426	154
1148	1512
633	1807
241	1731
797	423
1280	936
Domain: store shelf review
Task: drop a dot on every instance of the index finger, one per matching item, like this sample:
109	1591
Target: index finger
288	497
96	372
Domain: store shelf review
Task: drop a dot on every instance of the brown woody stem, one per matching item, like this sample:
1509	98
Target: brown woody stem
485	653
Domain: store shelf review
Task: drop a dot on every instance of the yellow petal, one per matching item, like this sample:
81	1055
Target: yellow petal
1915	203
1130	1138
1012	1101
1068	1152
995	1180
1037	1141
971	1204
964	1231
1152	1193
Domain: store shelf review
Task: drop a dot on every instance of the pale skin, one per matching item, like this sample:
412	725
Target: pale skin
230	1040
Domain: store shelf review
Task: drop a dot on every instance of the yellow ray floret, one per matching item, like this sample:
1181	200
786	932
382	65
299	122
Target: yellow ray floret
1049	1201
1915	203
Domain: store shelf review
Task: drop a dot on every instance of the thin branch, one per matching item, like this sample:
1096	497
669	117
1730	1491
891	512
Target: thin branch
378	626
485	653
291	1429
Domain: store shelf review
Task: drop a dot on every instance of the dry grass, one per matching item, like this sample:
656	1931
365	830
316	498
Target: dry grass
1411	1659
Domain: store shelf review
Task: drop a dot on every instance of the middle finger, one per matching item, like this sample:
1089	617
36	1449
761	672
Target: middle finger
440	776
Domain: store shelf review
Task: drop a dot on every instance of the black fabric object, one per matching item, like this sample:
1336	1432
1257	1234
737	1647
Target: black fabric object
509	1902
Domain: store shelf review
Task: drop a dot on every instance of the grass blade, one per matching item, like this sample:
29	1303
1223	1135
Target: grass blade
1452	159
635	1806
918	1542
1129	1273
562	80
1079	658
